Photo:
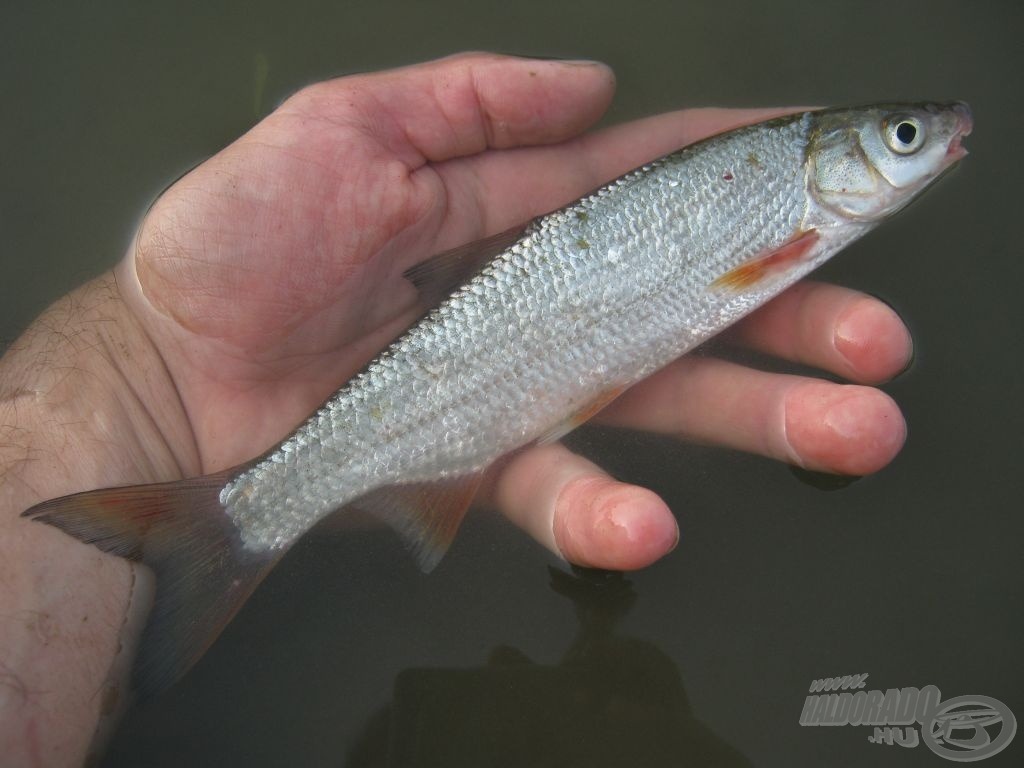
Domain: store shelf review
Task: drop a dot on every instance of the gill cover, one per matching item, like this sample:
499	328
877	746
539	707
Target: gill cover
865	164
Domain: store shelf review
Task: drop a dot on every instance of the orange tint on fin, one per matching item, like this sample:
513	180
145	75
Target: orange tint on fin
763	265
425	515
180	530
580	416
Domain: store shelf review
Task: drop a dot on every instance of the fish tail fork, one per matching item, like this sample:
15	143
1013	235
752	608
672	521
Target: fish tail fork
178	529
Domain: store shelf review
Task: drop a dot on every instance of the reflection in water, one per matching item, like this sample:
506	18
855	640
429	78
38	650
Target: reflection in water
823	481
611	701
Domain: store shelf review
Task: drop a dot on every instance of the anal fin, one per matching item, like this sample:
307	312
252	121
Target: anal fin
425	515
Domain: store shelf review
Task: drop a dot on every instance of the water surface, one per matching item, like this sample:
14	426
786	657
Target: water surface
348	655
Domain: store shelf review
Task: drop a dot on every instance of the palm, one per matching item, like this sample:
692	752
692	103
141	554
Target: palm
289	268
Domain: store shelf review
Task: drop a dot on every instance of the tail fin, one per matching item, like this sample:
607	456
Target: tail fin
180	530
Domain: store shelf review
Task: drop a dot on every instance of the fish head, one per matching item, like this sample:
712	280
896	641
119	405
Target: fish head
865	163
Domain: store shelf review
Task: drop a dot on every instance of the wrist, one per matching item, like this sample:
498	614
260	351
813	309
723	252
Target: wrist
84	403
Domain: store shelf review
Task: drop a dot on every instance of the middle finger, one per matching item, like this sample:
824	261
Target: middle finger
832	328
815	424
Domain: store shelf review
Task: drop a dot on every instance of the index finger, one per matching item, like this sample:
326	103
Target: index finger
463	104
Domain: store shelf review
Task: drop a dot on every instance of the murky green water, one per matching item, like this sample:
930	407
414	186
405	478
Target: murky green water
348	655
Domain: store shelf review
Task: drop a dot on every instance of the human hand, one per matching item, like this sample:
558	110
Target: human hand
266	277
271	273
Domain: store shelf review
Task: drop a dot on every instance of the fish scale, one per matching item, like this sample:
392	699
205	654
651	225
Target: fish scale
596	324
540	327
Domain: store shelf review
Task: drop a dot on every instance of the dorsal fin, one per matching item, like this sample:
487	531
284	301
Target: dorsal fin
437	277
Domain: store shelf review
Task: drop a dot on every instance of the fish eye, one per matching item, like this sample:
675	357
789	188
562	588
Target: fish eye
904	134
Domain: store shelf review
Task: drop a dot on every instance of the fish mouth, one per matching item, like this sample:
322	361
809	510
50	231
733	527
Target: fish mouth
964	126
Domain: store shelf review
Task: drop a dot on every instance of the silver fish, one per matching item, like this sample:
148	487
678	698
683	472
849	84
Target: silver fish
535	330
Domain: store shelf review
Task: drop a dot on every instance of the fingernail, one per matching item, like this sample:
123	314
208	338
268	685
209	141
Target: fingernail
844	418
583	63
852	430
567	61
561	60
870	429
873	340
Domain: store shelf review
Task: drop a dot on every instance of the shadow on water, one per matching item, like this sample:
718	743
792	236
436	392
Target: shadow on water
612	700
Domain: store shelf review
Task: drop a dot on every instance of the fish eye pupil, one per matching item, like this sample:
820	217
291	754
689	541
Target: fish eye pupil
906	133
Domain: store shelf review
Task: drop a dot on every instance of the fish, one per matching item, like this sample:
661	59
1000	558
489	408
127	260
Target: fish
531	332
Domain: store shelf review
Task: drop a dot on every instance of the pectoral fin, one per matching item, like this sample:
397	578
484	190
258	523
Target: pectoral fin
767	264
580	416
